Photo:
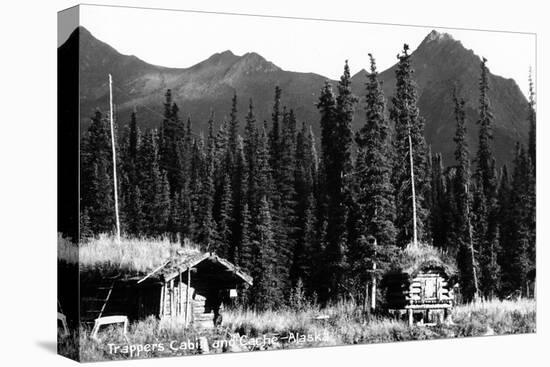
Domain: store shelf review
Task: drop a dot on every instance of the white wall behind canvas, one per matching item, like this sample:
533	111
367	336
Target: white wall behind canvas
28	184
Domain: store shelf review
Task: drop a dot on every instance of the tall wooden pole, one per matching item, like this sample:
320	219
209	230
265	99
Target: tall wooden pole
472	251
413	190
188	297
180	286
373	288
114	157
366	300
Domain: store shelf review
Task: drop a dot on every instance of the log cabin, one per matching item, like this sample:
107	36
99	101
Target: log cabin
420	288
189	289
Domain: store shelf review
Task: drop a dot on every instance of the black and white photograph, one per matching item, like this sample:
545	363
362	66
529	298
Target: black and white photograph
236	183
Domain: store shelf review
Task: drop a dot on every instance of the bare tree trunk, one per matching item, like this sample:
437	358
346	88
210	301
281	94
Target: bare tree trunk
373	288
472	251
413	189
114	157
366	299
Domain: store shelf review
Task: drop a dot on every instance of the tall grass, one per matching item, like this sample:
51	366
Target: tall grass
344	323
348	325
496	317
66	250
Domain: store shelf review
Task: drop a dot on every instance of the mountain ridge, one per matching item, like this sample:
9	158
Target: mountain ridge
440	63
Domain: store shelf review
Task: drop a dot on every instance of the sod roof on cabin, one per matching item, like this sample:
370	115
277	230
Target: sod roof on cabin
132	256
103	257
414	259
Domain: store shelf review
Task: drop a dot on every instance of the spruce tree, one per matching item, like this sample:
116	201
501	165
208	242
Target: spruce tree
264	176
490	248
170	144
486	181
247	259
188	154
304	252
444	215
531	208
327	109
133	141
133	213
225	222
238	188
345	109
375	193
207	228
286	232
303	179
466	256
532	178
130	193
304	182
517	258
222	140
128	150
408	123
450	212
194	182
336	117
185	219
233	127
250	151
532	119
211	139
504	194
438	203
85	225
484	173
480	227
153	185
221	167
275	132
162	203
491	271
96	171
266	291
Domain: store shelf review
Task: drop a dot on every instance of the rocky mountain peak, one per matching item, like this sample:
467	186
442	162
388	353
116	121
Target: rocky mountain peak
252	62
220	59
435	36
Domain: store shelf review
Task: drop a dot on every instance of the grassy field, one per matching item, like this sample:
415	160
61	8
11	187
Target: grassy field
246	330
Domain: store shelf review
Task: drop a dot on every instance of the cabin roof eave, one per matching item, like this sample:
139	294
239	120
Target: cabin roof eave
166	275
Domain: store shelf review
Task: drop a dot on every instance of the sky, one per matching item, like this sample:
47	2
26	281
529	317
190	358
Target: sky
182	39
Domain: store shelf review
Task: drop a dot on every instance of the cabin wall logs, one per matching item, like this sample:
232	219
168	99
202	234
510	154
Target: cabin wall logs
425	288
428	288
174	304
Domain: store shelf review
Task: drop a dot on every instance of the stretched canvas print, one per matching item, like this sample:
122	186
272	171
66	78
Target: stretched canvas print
232	183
